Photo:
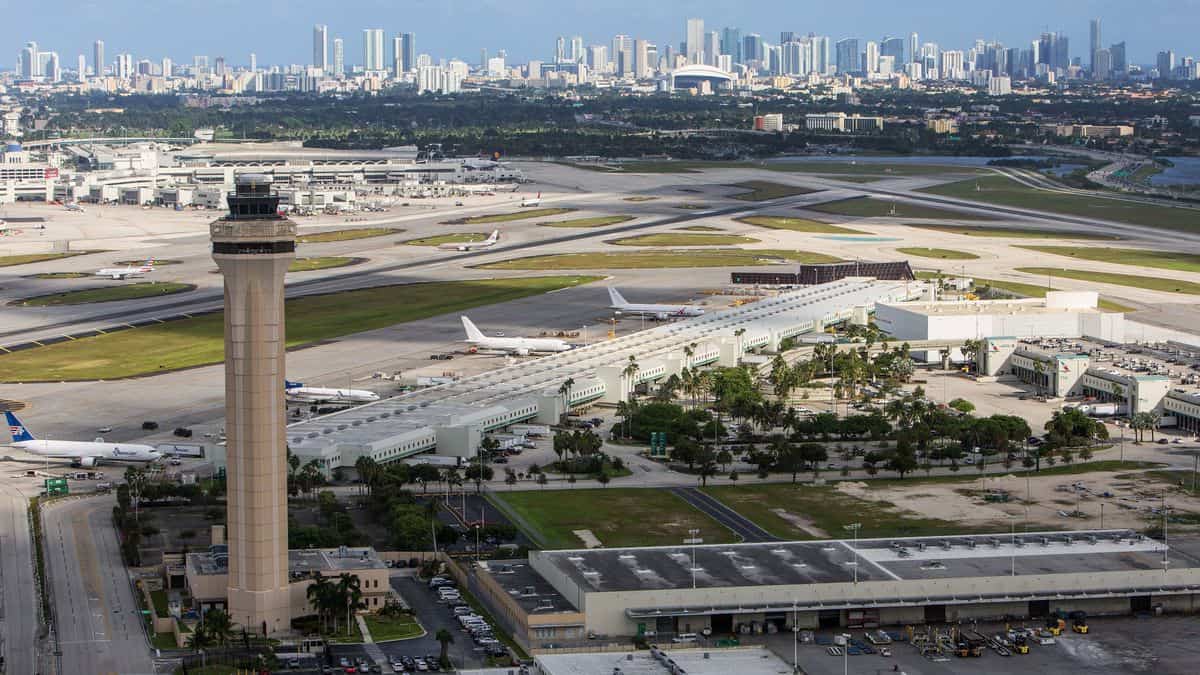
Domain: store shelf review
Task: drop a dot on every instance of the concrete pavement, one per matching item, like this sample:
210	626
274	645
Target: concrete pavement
19	627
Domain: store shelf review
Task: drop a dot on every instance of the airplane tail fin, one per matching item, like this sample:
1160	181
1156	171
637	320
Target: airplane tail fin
473	333
494	236
18	430
615	296
288	384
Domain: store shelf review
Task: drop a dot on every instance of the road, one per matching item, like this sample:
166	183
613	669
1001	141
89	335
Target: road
18	598
715	509
97	621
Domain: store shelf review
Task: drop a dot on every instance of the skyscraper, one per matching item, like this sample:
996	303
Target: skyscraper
1120	65
408	50
1054	51
320	47
847	56
253	247
914	47
253	62
712	47
339	57
622	54
1094	44
373	49
694	45
731	43
1166	64
575	53
641	55
871	58
893	47
98	58
820	61
752	48
560	49
397	56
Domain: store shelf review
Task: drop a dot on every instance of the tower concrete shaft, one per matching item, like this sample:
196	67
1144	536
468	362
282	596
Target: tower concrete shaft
253	247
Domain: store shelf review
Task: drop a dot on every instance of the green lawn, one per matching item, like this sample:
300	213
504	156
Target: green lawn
25	259
640	198
851	167
1147	283
310	264
763	190
796	225
683	239
825	510
385	628
941	253
61	275
438	240
1039	291
1009	232
617	516
651	259
1005	192
144	289
1167	260
346	235
699	228
868	207
594	221
680	166
200	340
508	217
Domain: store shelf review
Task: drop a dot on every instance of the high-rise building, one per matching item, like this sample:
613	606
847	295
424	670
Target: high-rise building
622	54
397	57
1166	64
752	48
50	68
952	65
694	45
253	62
1094	44
1054	51
1102	68
560	49
893	47
81	68
641	56
219	66
98	63
914	47
29	61
168	67
871	58
253	247
847	57
712	47
408	52
597	58
373	49
1120	63
339	57
575	54
320	47
821	61
731	43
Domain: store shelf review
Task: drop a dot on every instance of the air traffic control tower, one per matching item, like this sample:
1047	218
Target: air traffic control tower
253	247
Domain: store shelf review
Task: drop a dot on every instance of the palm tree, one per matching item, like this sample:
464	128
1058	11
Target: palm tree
368	470
218	626
199	639
631	369
318	594
564	390
446	638
350	594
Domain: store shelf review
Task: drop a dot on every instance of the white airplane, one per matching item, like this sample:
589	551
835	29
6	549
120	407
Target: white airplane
296	391
81	453
532	201
468	245
127	271
518	345
660	312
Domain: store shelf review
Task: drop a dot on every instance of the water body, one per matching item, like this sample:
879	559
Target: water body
857	237
1185	172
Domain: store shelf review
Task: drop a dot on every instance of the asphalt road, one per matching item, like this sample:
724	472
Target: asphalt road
736	522
98	623
18	599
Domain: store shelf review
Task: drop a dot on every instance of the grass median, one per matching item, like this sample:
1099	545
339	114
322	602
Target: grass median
939	253
328	262
1140	257
683	239
508	217
199	340
438	240
86	296
1010	232
658	259
616	516
796	225
388	628
593	221
346	234
27	258
869	207
1003	191
1130	280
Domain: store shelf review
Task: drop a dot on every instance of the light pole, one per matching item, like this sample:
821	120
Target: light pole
795	640
693	539
1012	520
854	527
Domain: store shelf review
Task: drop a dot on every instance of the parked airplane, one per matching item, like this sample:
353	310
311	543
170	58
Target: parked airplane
468	245
532	201
518	345
296	391
81	453
127	271
660	312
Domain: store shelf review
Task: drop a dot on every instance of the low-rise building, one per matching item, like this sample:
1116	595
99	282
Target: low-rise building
1059	314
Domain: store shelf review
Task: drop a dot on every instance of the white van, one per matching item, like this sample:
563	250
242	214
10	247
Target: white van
685	637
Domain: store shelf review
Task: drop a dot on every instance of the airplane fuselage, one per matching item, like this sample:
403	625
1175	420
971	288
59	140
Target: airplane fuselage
89	453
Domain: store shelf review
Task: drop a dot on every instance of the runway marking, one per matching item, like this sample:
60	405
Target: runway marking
6	351
37	343
70	337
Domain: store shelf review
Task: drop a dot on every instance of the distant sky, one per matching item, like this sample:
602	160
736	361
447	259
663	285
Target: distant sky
279	31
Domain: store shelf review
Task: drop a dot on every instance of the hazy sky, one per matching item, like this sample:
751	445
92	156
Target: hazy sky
279	30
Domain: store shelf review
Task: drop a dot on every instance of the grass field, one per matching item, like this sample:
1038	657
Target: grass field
328	262
1167	260
652	259
857	179
1010	232
386	628
1133	281
762	190
1039	291
850	167
25	259
699	228
200	340
61	275
593	221
940	253
796	225
867	207
683	239
346	235
508	217
617	516
145	289
1005	192
824	512
438	240
640	198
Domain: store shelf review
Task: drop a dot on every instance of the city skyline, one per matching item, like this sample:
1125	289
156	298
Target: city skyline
525	33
